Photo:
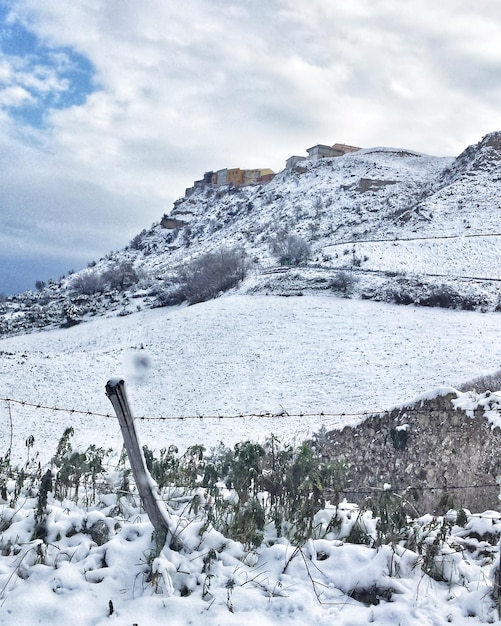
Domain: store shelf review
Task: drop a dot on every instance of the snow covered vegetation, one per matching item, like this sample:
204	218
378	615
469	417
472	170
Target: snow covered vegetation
250	536
288	439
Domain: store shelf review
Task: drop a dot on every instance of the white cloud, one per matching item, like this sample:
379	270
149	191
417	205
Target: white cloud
24	81
219	83
14	96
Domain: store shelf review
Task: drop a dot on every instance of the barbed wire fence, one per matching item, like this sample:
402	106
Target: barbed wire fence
198	416
297	429
283	414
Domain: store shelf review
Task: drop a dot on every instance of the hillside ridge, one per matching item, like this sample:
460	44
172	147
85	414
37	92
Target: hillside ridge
380	223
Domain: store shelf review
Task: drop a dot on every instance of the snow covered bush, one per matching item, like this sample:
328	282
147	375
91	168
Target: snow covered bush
136	242
168	295
120	276
72	314
413	290
87	283
441	296
343	282
489	382
290	249
252	487
210	274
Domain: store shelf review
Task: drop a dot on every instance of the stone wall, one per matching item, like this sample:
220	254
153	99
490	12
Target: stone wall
437	456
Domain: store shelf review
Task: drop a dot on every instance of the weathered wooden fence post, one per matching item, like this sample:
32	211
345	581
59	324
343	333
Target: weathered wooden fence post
115	390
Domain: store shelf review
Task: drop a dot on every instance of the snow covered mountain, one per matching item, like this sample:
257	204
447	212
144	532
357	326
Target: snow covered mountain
381	223
391	217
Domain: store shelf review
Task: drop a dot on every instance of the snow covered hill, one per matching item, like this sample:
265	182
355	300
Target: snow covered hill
395	225
388	215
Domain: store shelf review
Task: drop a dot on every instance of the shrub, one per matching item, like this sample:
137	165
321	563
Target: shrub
409	292
246	469
442	297
88	283
490	382
72	313
137	241
121	276
248	524
76	467
169	296
210	274
401	297
290	249
164	470
343	282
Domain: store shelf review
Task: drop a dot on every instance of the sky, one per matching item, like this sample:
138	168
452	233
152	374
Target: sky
109	109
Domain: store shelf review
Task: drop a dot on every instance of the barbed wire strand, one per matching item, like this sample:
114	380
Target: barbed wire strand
372	490
264	414
199	416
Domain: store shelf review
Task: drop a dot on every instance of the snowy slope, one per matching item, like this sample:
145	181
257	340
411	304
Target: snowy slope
240	354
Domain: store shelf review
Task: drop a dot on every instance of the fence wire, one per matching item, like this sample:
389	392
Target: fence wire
264	414
370	490
199	416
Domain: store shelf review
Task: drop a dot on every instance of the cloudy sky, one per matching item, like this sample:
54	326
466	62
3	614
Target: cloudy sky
110	108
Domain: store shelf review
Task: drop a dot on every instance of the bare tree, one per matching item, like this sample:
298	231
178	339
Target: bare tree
210	274
87	283
290	249
121	276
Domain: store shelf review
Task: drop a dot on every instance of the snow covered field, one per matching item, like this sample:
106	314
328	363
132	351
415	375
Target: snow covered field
473	257
239	355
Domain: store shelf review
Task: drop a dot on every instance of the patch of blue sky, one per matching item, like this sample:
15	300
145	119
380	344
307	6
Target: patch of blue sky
43	77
